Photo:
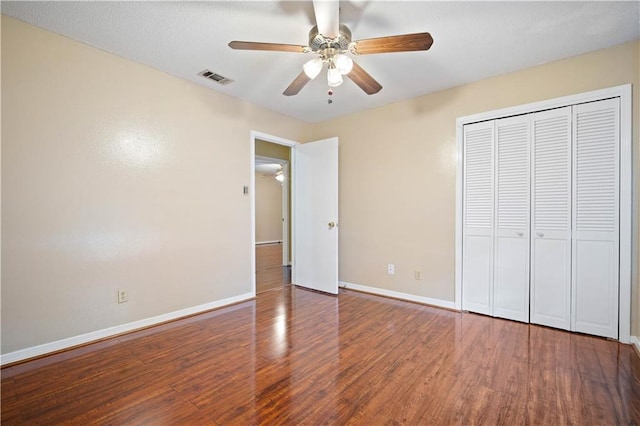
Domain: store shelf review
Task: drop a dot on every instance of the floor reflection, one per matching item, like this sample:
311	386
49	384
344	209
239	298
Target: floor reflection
294	356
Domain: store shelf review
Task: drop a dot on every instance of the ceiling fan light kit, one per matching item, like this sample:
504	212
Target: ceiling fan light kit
334	78
332	47
343	63
313	67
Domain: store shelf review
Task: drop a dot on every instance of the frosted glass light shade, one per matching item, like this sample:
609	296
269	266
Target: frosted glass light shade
343	63
312	68
334	78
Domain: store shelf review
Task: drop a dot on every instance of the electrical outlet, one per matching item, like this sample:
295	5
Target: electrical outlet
418	275
391	269
122	295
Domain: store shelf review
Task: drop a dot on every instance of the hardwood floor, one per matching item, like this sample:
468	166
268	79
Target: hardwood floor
270	273
293	356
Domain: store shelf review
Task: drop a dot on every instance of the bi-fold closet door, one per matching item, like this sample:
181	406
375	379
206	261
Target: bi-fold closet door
496	218
511	264
596	218
541	218
551	218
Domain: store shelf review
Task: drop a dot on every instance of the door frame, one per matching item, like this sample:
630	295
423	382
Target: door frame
628	213
253	135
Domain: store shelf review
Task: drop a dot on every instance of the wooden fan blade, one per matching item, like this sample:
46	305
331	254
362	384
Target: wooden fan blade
362	78
253	45
327	12
399	43
296	85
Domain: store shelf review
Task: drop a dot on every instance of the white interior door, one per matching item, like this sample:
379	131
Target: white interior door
511	279
315	215
477	218
596	187
551	219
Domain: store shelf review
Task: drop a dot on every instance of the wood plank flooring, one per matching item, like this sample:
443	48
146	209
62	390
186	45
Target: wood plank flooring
293	356
270	273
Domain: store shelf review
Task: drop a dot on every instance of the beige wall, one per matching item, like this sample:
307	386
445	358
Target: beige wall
398	170
268	208
272	150
115	175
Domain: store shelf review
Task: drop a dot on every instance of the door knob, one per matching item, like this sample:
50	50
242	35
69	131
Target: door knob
540	234
520	234
332	225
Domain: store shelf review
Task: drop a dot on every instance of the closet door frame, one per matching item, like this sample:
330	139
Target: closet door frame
626	179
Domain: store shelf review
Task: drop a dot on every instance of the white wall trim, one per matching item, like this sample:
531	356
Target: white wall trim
457	298
627	239
578	98
636	342
93	336
439	303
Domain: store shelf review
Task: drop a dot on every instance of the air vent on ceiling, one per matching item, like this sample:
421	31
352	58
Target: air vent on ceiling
215	77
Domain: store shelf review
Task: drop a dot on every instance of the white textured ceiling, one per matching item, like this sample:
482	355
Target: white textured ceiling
472	41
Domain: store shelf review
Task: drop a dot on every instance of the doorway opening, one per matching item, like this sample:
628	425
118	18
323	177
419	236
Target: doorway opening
271	212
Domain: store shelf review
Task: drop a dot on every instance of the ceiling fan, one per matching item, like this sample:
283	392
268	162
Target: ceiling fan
331	42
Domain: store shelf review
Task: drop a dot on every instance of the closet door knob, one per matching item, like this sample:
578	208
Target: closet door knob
520	234
540	234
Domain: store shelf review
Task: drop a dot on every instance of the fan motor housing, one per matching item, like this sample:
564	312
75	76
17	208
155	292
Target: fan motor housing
319	42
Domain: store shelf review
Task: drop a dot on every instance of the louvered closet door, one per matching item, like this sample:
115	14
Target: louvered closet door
477	244
551	219
596	217
511	279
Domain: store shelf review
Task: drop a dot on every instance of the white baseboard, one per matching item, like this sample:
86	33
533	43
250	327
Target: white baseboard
397	295
69	342
268	242
635	341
